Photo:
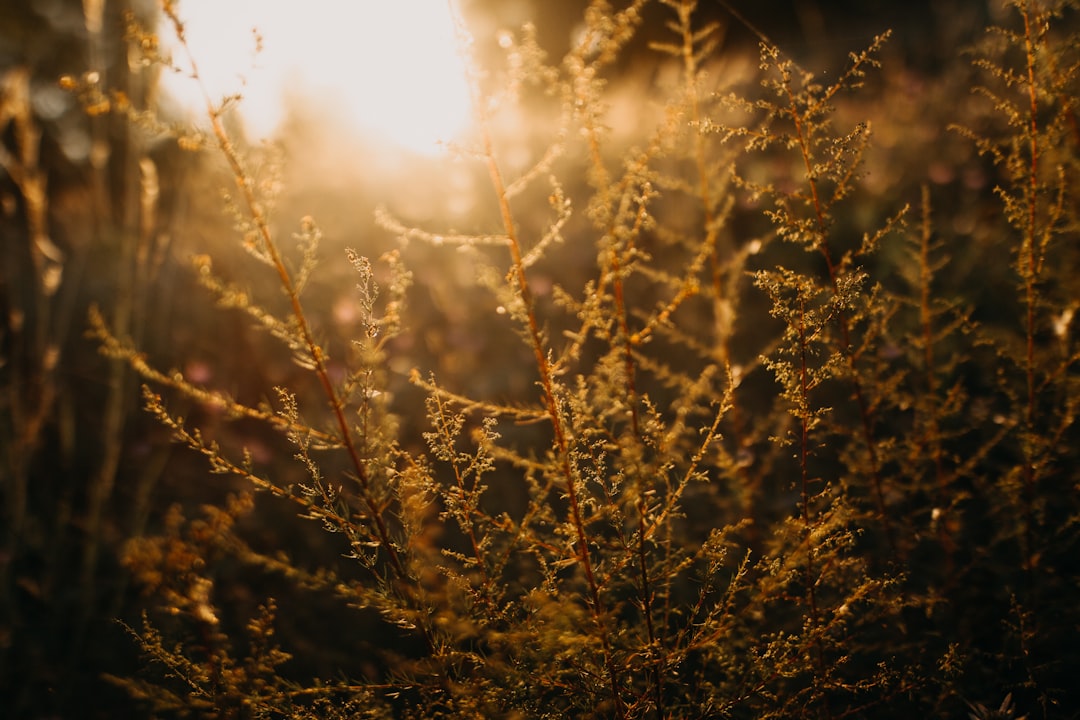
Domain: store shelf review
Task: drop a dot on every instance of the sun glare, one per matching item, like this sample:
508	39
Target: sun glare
390	67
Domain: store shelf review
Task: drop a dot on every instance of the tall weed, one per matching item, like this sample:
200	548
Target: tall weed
765	457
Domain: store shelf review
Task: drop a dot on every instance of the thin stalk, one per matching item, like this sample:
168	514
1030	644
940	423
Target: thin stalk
690	70
626	340
926	320
712	229
551	402
804	483
562	444
314	350
865	414
1030	292
932	430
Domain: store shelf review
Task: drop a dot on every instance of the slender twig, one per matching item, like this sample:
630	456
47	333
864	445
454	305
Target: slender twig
1030	269
865	413
550	395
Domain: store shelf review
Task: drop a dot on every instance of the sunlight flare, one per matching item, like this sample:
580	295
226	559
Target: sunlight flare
389	69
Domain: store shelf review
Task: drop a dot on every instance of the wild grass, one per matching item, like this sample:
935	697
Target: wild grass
769	454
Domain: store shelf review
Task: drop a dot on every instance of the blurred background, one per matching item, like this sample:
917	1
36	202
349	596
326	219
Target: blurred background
349	106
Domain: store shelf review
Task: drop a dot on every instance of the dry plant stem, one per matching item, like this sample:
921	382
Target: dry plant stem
804	477
691	72
601	180
1030	291
842	316
626	341
547	381
315	352
623	338
926	320
933	430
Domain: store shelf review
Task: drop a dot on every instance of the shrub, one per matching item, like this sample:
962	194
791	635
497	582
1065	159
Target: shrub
759	451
